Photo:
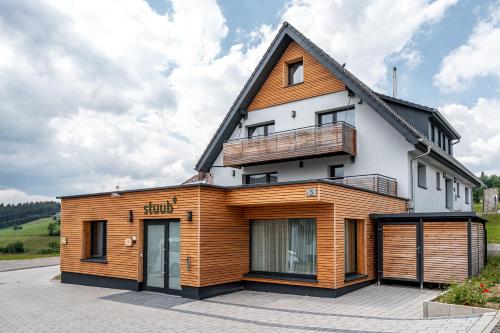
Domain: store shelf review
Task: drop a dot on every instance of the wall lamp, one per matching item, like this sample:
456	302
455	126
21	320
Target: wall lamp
189	215
130	216
294	113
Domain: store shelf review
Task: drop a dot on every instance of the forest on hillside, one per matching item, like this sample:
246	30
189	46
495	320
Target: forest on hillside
14	214
492	181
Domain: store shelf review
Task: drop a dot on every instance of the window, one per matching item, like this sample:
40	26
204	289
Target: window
458	190
433	133
286	246
328	117
439	139
96	240
260	130
353	248
449	193
337	171
261	178
445	139
422	175
438	181
449	147
295	73
467	195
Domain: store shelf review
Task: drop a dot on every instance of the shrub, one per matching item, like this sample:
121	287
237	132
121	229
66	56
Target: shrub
44	251
16	247
466	293
53	229
17	227
54	246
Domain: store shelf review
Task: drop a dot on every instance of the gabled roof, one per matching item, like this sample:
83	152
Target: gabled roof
287	34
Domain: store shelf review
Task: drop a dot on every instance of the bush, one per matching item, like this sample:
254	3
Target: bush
16	247
53	229
54	246
466	293
44	251
17	227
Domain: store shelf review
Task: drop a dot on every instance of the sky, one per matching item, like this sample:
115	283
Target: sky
97	94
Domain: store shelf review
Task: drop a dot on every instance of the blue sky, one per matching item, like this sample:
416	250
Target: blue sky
95	95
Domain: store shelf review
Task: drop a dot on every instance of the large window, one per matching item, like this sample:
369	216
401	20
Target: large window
422	175
295	72
97	240
261	178
346	115
284	246
260	130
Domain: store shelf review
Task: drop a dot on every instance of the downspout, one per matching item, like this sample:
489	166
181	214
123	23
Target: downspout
412	182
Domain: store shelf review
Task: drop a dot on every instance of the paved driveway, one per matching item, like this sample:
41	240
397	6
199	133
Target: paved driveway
12	265
31	302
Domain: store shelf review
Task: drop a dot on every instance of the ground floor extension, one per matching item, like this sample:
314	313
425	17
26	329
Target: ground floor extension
312	238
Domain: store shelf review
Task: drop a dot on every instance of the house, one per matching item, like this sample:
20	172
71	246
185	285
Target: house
313	184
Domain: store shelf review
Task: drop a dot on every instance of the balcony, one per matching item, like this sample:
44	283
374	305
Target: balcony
373	182
301	143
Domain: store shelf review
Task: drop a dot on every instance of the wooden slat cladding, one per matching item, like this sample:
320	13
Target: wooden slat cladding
306	142
477	248
323	213
445	251
122	261
317	81
357	204
224	240
400	251
278	194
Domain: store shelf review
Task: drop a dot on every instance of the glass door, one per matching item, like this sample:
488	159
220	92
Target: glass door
162	256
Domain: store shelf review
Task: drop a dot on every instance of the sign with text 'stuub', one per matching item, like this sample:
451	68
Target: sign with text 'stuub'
161	208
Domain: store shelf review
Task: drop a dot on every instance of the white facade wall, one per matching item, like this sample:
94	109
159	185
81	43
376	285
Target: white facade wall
380	149
433	200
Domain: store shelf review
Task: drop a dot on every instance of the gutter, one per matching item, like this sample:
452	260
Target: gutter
412	175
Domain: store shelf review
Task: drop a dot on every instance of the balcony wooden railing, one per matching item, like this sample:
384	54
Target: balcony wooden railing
337	137
373	182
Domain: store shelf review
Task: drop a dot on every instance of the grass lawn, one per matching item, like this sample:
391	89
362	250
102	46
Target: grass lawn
34	236
493	225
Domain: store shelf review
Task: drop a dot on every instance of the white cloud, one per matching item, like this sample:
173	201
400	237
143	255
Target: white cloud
478	125
363	33
13	196
478	57
96	94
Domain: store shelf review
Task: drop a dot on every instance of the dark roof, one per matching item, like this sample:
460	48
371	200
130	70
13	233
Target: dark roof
440	216
286	34
434	112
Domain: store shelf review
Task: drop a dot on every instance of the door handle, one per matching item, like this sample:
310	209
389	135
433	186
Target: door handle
162	260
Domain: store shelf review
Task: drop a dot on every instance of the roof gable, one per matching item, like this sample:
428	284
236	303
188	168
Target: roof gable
287	34
275	90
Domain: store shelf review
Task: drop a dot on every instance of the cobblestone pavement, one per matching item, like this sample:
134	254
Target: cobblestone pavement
32	302
11	265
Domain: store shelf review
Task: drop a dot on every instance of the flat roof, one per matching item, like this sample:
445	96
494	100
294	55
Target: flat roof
228	188
437	216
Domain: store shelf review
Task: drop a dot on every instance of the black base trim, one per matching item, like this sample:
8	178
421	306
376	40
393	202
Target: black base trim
215	290
211	291
304	290
99	281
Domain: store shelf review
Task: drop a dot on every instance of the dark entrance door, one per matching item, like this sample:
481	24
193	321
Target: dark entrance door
162	256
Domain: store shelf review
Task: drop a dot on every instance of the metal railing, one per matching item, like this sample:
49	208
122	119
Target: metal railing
373	182
338	137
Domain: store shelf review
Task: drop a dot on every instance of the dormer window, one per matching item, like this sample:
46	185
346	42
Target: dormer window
295	72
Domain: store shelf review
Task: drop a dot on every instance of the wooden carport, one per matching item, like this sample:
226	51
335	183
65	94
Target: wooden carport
430	247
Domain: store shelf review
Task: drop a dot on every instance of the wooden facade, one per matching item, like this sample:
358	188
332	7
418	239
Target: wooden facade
217	239
317	81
